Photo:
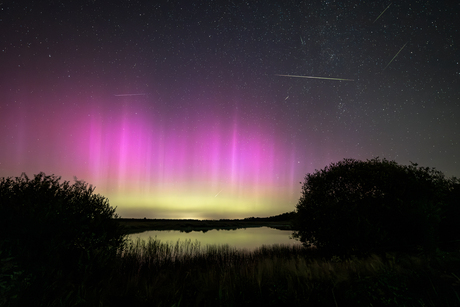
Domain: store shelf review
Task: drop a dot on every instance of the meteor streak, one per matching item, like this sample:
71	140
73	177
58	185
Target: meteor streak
382	12
218	193
126	95
313	77
395	55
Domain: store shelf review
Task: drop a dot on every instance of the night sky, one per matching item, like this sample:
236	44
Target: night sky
185	109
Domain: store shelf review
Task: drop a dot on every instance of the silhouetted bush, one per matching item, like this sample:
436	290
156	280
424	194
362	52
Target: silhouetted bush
450	226
357	206
56	239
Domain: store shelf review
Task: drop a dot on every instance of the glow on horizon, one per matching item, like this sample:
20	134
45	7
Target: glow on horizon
157	166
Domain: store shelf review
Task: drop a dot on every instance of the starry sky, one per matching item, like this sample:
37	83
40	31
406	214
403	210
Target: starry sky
200	109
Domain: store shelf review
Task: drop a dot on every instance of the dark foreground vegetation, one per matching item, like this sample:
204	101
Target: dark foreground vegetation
282	222
356	207
186	275
61	245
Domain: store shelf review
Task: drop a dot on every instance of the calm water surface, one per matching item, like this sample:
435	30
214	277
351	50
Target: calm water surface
249	238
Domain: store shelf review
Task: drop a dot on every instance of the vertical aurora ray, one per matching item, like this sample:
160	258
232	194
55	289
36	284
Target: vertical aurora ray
188	120
215	168
159	165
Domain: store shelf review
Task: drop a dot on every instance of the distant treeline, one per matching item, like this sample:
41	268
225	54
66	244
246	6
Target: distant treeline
282	222
287	216
283	217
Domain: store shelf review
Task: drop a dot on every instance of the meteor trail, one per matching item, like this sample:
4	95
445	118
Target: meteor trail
218	193
126	95
395	55
312	77
382	12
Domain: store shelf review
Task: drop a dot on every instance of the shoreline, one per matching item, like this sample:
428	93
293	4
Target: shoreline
140	225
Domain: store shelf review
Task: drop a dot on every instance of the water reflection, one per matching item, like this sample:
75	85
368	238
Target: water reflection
248	238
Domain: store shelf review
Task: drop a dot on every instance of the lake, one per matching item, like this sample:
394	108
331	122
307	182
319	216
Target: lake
243	238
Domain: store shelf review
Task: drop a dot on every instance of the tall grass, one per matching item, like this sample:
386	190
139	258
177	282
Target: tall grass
185	273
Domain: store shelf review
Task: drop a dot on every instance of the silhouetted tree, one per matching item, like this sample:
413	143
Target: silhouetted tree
357	206
55	238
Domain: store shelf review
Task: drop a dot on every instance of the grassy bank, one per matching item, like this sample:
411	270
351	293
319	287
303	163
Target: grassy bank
187	274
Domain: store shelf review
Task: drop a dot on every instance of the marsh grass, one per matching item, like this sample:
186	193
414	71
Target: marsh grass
185	273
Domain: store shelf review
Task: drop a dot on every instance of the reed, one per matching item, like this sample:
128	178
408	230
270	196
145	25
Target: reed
186	273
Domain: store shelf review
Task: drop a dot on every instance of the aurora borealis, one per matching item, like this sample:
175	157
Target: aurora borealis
186	109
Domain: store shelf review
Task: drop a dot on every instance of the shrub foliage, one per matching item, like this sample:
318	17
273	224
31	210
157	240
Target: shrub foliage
361	206
57	236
